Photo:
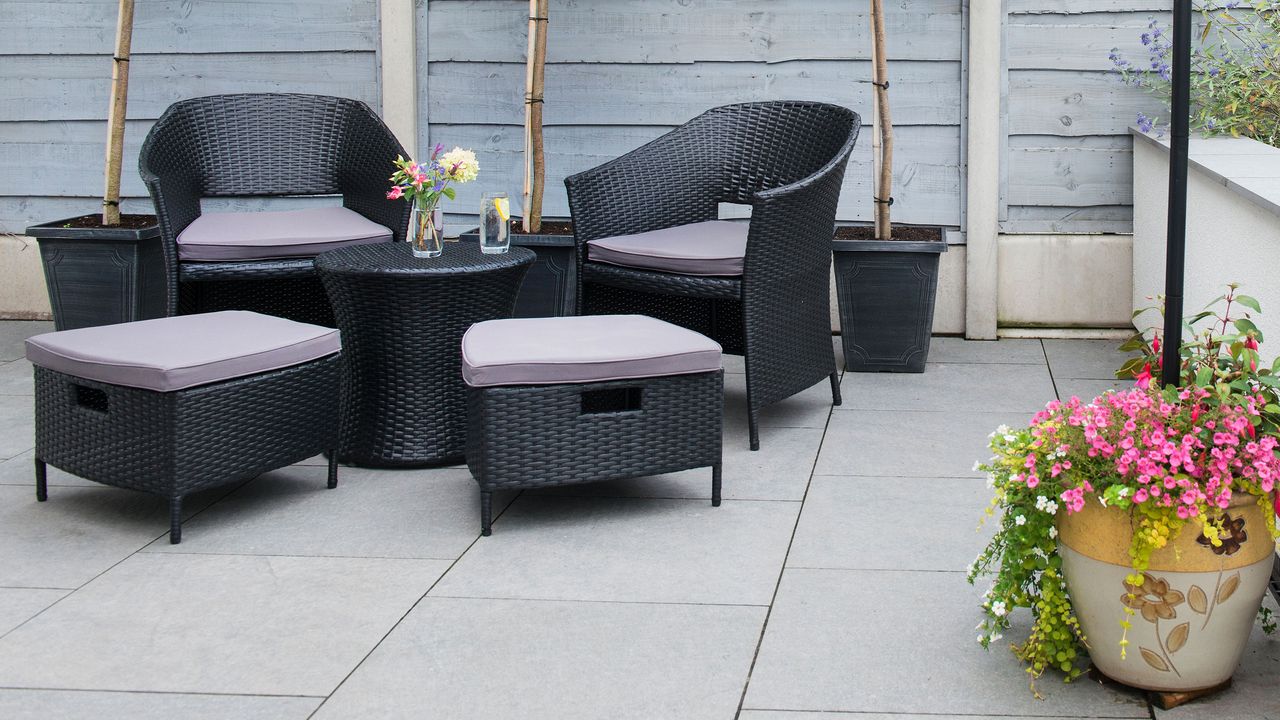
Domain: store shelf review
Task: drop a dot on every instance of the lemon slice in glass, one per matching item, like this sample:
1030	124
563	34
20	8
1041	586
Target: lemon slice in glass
503	208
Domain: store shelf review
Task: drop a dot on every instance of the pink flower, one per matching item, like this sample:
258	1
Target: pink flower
1144	377
396	193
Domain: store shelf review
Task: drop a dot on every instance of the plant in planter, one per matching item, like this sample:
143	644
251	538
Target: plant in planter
1141	525
886	279
105	268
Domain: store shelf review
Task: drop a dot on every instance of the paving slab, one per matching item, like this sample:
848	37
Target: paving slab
779	470
89	705
808	408
216	624
16	378
858	523
21	470
625	549
1087	359
17	425
453	658
947	387
1015	351
14	332
901	642
18	605
810	715
908	443
1088	389
79	532
388	513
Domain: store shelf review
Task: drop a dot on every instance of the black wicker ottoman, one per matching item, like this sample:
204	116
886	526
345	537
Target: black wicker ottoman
556	401
180	404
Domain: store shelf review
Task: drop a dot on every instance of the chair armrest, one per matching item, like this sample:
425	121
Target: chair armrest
364	172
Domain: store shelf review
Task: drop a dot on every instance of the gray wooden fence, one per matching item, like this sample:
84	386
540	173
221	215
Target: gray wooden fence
55	70
622	72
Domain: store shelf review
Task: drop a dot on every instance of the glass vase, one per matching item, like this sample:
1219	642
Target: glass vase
426	232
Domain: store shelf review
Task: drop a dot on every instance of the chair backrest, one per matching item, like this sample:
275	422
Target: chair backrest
256	144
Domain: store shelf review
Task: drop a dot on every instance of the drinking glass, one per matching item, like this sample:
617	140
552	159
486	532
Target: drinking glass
495	216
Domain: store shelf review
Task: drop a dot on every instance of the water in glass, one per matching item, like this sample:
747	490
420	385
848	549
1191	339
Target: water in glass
494	217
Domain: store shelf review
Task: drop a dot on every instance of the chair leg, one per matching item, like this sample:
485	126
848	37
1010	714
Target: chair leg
715	485
333	469
175	520
42	480
835	388
486	513
754	422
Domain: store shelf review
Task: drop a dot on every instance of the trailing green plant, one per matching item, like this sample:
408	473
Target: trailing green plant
1235	70
1171	456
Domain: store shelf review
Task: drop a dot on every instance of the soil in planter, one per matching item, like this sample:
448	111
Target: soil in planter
127	222
906	233
549	227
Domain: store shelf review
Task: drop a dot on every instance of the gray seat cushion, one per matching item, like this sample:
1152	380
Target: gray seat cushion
715	247
590	348
181	352
218	237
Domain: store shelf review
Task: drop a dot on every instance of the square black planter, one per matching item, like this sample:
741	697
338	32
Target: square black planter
550	287
101	275
886	291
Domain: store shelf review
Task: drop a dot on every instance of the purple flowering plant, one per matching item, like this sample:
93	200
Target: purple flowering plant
1235	70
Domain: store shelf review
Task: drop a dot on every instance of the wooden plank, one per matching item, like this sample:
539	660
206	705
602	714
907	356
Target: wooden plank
1076	176
65	158
1074	103
83	27
75	87
1076	7
923	93
1074	42
17	213
1093	219
927	175
667	31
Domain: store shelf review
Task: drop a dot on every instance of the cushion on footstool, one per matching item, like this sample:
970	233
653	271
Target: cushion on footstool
174	353
590	348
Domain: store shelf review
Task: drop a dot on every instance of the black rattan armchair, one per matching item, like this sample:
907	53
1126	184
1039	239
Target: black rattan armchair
264	145
784	159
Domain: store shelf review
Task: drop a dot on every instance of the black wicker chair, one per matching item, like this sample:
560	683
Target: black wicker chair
264	145
784	159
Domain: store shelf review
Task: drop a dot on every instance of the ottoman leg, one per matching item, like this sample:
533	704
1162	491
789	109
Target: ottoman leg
753	422
715	485
175	520
835	388
333	469
486	513
42	481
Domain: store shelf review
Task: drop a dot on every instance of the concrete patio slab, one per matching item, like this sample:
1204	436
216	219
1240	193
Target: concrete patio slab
454	658
14	332
88	705
635	550
20	470
17	425
907	443
901	642
779	471
79	532
810	715
850	522
1087	359
216	624
951	388
18	605
988	352
808	408
390	514
1089	389
16	378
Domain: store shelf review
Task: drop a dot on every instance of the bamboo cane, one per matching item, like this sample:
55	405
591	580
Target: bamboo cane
115	113
535	73
884	190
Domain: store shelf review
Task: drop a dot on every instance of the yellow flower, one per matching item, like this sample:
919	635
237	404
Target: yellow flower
460	165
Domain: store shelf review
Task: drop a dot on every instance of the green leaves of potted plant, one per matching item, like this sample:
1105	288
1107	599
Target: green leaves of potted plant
1144	519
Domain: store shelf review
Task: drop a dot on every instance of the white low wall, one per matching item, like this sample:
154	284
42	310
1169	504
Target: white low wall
1233	225
1079	281
22	291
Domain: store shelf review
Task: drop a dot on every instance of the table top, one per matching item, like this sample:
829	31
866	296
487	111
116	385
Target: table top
396	258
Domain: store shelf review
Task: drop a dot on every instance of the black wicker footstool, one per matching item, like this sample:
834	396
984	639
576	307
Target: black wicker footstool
556	401
180	404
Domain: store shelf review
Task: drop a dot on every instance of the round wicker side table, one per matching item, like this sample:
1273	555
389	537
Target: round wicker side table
402	320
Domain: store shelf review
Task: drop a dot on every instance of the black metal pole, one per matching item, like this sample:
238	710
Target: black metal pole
1175	253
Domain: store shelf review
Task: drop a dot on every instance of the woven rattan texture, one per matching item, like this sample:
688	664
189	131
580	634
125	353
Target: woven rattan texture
402	321
176	443
787	161
265	145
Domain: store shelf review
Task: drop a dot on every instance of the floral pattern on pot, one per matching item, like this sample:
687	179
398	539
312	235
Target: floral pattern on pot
1230	539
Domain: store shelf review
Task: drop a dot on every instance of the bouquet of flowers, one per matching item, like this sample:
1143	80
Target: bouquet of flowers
424	184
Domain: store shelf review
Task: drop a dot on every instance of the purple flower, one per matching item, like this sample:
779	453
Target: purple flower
1213	72
1145	124
1146	38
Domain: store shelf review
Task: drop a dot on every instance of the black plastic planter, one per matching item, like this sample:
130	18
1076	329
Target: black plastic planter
886	291
101	276
550	287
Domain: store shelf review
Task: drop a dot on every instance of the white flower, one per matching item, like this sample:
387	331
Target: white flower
461	165
1009	438
1019	520
1123	492
977	465
1053	532
1041	501
991	480
1051	507
1003	430
996	637
998	608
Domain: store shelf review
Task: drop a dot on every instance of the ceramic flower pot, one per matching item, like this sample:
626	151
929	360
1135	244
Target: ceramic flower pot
1195	606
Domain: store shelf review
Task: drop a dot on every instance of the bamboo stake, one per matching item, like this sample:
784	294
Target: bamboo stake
534	152
884	190
115	113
